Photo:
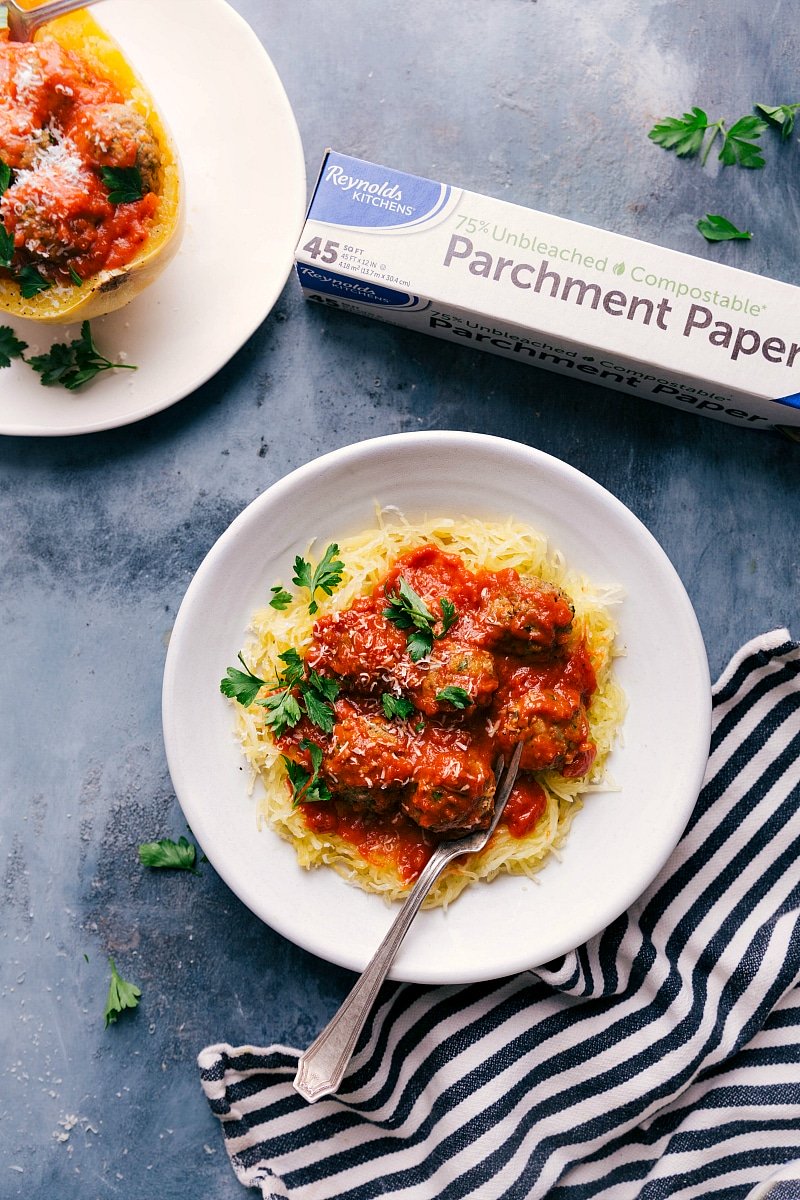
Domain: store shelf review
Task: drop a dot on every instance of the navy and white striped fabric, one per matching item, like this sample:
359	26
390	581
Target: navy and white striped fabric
662	1059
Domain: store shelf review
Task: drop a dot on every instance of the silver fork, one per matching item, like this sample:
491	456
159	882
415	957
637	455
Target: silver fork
23	23
321	1068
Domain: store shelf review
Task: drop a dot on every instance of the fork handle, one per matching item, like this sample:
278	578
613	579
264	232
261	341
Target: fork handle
29	20
321	1067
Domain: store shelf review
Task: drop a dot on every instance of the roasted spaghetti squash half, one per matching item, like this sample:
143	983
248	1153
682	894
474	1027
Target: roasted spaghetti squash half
92	194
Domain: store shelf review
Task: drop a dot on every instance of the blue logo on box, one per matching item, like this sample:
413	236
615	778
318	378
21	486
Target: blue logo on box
362	195
792	401
315	279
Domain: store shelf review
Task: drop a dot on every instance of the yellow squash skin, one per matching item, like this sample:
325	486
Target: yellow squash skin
110	290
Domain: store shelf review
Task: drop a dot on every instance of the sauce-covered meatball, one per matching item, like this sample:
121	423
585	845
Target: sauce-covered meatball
114	135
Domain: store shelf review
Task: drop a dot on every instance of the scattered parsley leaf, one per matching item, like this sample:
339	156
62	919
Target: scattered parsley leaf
121	995
449	615
455	696
31	282
307	787
781	116
318	694
72	364
324	577
716	228
283	707
242	686
280	598
683	134
6	247
5	176
10	346
293	668
396	706
738	147
124	184
409	612
75	277
283	711
179	856
419	644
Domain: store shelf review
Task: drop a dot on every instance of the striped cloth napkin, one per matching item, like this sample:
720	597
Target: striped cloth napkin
661	1059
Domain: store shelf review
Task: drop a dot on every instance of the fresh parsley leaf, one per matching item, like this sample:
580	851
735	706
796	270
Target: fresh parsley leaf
716	228
419	644
179	856
319	693
293	668
72	364
283	711
31	282
75	277
307	787
314	753
280	598
317	705
408	611
324	577
6	247
121	995
396	706
10	346
683	134
449	615
124	184
5	176
738	147
455	696
781	116
241	686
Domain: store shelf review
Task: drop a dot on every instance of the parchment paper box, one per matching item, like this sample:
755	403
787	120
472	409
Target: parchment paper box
553	293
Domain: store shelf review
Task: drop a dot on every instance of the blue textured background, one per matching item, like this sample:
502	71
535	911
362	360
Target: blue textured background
545	103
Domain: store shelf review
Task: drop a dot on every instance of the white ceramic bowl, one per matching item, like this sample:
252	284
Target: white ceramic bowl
620	840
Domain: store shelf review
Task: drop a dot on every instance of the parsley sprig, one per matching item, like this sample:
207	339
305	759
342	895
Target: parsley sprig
121	995
326	576
292	694
307	786
72	364
10	346
409	612
686	136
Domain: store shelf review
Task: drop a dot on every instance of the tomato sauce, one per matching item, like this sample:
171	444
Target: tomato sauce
499	662
60	126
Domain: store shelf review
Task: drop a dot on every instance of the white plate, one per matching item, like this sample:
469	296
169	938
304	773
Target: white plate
246	192
619	841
